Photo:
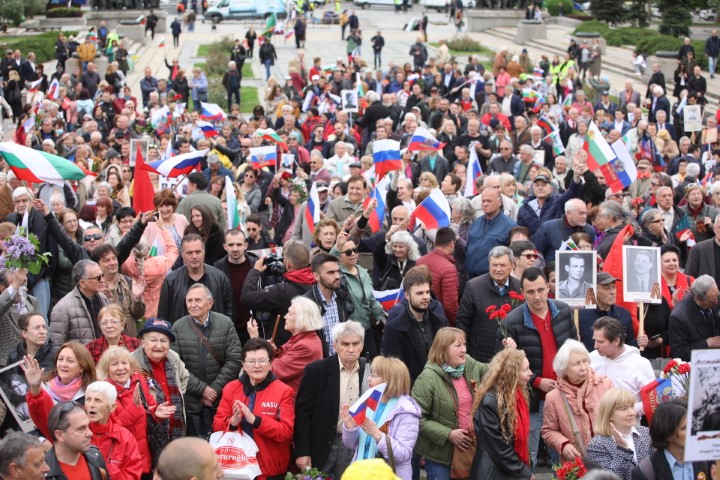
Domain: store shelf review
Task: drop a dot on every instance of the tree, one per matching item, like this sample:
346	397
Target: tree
676	17
639	14
610	11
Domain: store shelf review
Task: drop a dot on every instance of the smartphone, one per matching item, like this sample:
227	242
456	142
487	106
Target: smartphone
655	337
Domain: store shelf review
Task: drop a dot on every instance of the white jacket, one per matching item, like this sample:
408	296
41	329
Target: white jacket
629	370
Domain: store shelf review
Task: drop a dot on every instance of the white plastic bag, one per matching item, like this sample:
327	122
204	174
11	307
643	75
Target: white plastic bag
237	454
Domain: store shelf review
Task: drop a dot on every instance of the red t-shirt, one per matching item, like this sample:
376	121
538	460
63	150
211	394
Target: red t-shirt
549	348
79	471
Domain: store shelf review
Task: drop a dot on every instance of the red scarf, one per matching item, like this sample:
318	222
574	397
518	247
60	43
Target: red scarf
522	427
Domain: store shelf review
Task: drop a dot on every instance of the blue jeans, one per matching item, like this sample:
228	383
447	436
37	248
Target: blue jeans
712	63
536	420
378	60
437	471
268	65
41	291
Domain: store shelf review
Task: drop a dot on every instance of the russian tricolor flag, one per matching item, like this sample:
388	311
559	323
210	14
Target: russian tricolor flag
212	112
473	171
368	402
423	140
52	93
177	165
386	156
263	156
388	298
378	214
207	128
312	209
545	124
434	211
33	87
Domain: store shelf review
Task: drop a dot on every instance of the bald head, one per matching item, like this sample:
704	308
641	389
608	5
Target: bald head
188	458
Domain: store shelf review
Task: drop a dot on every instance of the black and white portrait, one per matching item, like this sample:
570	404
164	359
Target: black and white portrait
13	388
349	100
703	422
575	274
641	274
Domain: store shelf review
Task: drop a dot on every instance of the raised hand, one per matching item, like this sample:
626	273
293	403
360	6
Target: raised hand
33	373
348	420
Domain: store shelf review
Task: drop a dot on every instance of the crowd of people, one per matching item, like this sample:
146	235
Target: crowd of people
148	328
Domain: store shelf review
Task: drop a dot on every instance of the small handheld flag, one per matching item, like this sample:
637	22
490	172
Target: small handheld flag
211	111
178	165
312	208
379	193
386	156
263	156
434	211
473	171
423	140
368	401
207	128
270	135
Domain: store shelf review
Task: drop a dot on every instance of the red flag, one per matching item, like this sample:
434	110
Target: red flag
143	190
613	265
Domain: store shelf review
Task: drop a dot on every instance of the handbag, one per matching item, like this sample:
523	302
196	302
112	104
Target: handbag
573	424
461	462
237	454
157	432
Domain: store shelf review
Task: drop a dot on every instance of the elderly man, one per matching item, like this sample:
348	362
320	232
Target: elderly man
550	235
326	386
522	168
659	102
490	289
210	347
188	458
544	205
488	231
674	219
509	206
14	302
694	323
505	162
177	283
23	458
75	315
539	145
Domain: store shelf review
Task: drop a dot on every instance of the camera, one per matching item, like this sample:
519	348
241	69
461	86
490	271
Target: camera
274	264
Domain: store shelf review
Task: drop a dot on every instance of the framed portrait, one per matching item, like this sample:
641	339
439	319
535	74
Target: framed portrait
641	274
693	118
144	145
13	388
576	277
349	100
702	441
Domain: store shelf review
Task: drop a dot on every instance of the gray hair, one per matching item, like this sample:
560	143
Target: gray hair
21	192
372	97
501	251
307	314
406	239
715	188
14	447
649	216
467	212
693	170
347	329
105	389
535	129
611	209
526	149
702	285
195	286
78	271
562	357
572	204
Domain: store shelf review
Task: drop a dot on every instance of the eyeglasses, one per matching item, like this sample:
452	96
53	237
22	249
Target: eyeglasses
654	184
350	252
37	328
530	256
262	362
97	279
114	321
94	236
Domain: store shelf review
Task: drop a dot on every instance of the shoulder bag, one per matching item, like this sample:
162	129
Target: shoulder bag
573	424
205	342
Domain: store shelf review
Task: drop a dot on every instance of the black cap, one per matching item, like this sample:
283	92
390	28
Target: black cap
542	178
604	278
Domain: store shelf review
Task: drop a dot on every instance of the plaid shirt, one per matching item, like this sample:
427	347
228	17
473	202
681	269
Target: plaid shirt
98	346
330	319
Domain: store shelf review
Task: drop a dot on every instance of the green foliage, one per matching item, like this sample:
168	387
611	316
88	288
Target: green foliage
610	11
582	16
64	12
463	44
593	26
13	11
43	44
626	36
218	55
638	13
556	6
676	18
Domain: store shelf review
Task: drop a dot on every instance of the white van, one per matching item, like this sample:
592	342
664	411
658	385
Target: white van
442	5
242	9
375	3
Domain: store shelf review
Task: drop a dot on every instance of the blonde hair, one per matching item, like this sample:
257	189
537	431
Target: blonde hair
613	400
115	310
443	339
113	354
395	374
502	377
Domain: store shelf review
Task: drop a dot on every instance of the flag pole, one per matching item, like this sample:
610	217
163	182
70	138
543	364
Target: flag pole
171	192
641	328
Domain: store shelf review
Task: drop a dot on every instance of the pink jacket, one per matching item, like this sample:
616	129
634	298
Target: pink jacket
584	402
155	271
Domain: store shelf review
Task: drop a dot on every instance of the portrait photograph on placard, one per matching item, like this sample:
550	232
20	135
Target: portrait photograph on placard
349	100
13	388
703	421
575	277
144	145
641	274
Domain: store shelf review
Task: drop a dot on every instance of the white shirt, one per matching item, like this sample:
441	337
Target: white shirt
667	217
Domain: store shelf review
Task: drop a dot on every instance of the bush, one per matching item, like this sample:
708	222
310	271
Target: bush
13	11
64	12
464	44
593	26
626	36
583	17
555	7
42	44
218	56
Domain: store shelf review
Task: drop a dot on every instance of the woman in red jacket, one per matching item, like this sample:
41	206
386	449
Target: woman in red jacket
118	367
263	407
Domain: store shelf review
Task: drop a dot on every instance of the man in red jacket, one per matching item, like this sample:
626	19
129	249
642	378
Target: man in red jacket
441	264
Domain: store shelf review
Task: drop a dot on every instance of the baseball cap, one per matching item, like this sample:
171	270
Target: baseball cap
315	77
542	178
322	187
604	278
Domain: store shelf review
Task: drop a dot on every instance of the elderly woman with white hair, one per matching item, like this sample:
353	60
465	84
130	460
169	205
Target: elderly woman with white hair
570	408
395	255
339	164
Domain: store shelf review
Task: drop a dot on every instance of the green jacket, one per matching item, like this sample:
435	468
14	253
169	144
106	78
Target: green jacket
432	392
364	302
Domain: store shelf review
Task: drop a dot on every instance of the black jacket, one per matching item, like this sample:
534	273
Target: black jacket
317	408
172	294
689	329
520	328
480	331
93	457
345	308
402	337
45	355
495	458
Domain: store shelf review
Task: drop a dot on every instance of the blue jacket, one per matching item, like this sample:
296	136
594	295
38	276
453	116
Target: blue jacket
551	234
484	235
222	172
588	317
553	208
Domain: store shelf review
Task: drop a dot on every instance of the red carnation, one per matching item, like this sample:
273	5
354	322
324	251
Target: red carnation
670	365
490	309
506	307
684	368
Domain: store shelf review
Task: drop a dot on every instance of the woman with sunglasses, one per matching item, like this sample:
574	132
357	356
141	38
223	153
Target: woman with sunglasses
367	310
62	284
653	230
249	187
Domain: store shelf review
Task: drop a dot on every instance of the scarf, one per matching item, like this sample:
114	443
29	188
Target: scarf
454	372
695	212
177	421
61	392
367	447
522	427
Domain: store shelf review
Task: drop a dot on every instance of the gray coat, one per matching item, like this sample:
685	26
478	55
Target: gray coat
9	331
70	319
204	370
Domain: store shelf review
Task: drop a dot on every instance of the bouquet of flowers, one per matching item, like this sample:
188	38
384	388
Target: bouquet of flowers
309	474
499	314
570	470
678	372
22	250
516	298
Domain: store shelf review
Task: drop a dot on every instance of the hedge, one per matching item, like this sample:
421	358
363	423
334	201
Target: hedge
42	44
554	7
64	12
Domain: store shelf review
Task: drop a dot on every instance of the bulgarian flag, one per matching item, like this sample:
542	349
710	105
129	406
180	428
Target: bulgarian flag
162	43
233	219
37	166
601	156
530	95
567	102
270	26
158	246
271	135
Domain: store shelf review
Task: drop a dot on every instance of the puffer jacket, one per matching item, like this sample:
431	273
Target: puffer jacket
70	319
274	412
365	306
432	392
403	427
133	417
557	431
520	328
175	286
45	355
444	281
204	370
119	449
